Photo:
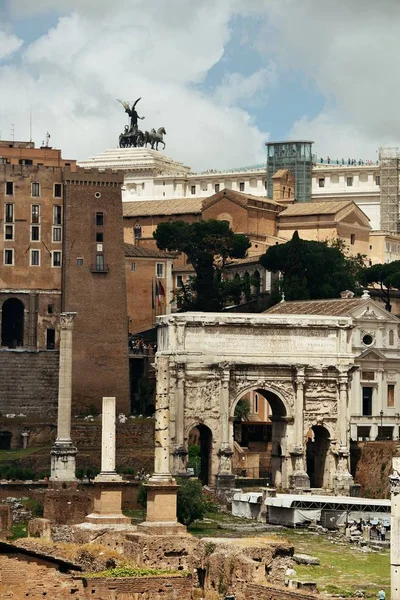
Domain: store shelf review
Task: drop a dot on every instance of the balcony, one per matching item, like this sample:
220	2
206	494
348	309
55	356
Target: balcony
99	268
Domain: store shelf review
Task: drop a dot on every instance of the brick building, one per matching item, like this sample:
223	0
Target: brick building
40	275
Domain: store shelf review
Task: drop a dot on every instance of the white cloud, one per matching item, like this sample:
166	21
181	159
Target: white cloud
158	50
253	89
350	49
9	44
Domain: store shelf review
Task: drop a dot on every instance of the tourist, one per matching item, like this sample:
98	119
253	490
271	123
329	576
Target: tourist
383	532
381	595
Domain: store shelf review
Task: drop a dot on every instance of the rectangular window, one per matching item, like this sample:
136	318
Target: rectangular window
35	233
35	190
321	182
57	190
50	339
377	180
352	238
133	267
35	213
367	401
57	214
216	188
390	395
35	258
193	189
9	232
160	270
9	213
100	262
241	186
50	309
179	281
56	258
99	219
25	161
79	262
57	234
9	188
8	256
349	181
99	236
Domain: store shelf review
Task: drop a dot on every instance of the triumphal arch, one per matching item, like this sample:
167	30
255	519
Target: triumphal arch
207	362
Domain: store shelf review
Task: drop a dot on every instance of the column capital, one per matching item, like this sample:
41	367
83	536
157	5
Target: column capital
67	320
394	481
180	370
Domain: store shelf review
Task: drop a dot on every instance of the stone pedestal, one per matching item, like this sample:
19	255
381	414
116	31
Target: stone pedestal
63	452
343	480
224	481
299	478
161	510
107	506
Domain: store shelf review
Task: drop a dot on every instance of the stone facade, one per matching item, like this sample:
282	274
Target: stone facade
207	362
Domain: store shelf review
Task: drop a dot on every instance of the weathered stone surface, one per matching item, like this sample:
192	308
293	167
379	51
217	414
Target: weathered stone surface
39	528
305	559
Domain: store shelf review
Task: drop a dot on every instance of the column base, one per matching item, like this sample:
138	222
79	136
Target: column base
107	505
102	520
342	483
299	479
161	502
225	481
161	528
63	462
108	477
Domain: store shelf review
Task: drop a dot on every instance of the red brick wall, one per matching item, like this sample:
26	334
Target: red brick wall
262	592
100	338
156	588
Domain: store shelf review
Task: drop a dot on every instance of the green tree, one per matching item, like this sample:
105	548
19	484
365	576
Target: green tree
312	270
242	410
209	246
387	277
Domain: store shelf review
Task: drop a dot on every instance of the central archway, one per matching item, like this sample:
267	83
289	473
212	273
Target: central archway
260	437
12	323
201	436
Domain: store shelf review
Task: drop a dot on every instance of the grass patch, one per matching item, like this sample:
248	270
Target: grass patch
136	572
10	455
136	516
344	567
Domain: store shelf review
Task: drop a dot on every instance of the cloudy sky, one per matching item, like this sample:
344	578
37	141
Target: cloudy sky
222	76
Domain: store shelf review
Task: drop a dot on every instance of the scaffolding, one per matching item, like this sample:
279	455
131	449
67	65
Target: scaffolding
389	184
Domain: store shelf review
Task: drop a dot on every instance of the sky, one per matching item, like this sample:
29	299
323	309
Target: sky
221	76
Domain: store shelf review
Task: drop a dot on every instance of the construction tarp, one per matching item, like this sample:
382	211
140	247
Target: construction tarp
292	516
246	505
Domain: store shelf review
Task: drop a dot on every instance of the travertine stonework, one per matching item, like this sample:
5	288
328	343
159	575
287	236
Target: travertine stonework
207	362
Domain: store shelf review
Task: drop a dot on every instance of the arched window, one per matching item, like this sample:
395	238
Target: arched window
391	337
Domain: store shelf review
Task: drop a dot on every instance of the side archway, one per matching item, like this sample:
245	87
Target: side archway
201	436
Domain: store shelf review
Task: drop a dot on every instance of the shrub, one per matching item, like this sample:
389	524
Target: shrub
191	505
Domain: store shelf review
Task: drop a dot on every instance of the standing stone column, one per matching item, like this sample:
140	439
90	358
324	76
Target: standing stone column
395	529
63	452
343	479
107	505
180	451
108	439
225	478
162	489
299	477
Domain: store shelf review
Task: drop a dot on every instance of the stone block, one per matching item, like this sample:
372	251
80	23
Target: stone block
305	559
39	528
6	519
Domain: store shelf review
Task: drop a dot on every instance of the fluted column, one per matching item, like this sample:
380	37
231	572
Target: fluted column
225	478
343	479
162	435
63	452
180	451
299	477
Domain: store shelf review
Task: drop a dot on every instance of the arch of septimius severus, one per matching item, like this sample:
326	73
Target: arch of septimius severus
207	362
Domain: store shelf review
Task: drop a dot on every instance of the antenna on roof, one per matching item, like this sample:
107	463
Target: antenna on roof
47	139
30	122
13	131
